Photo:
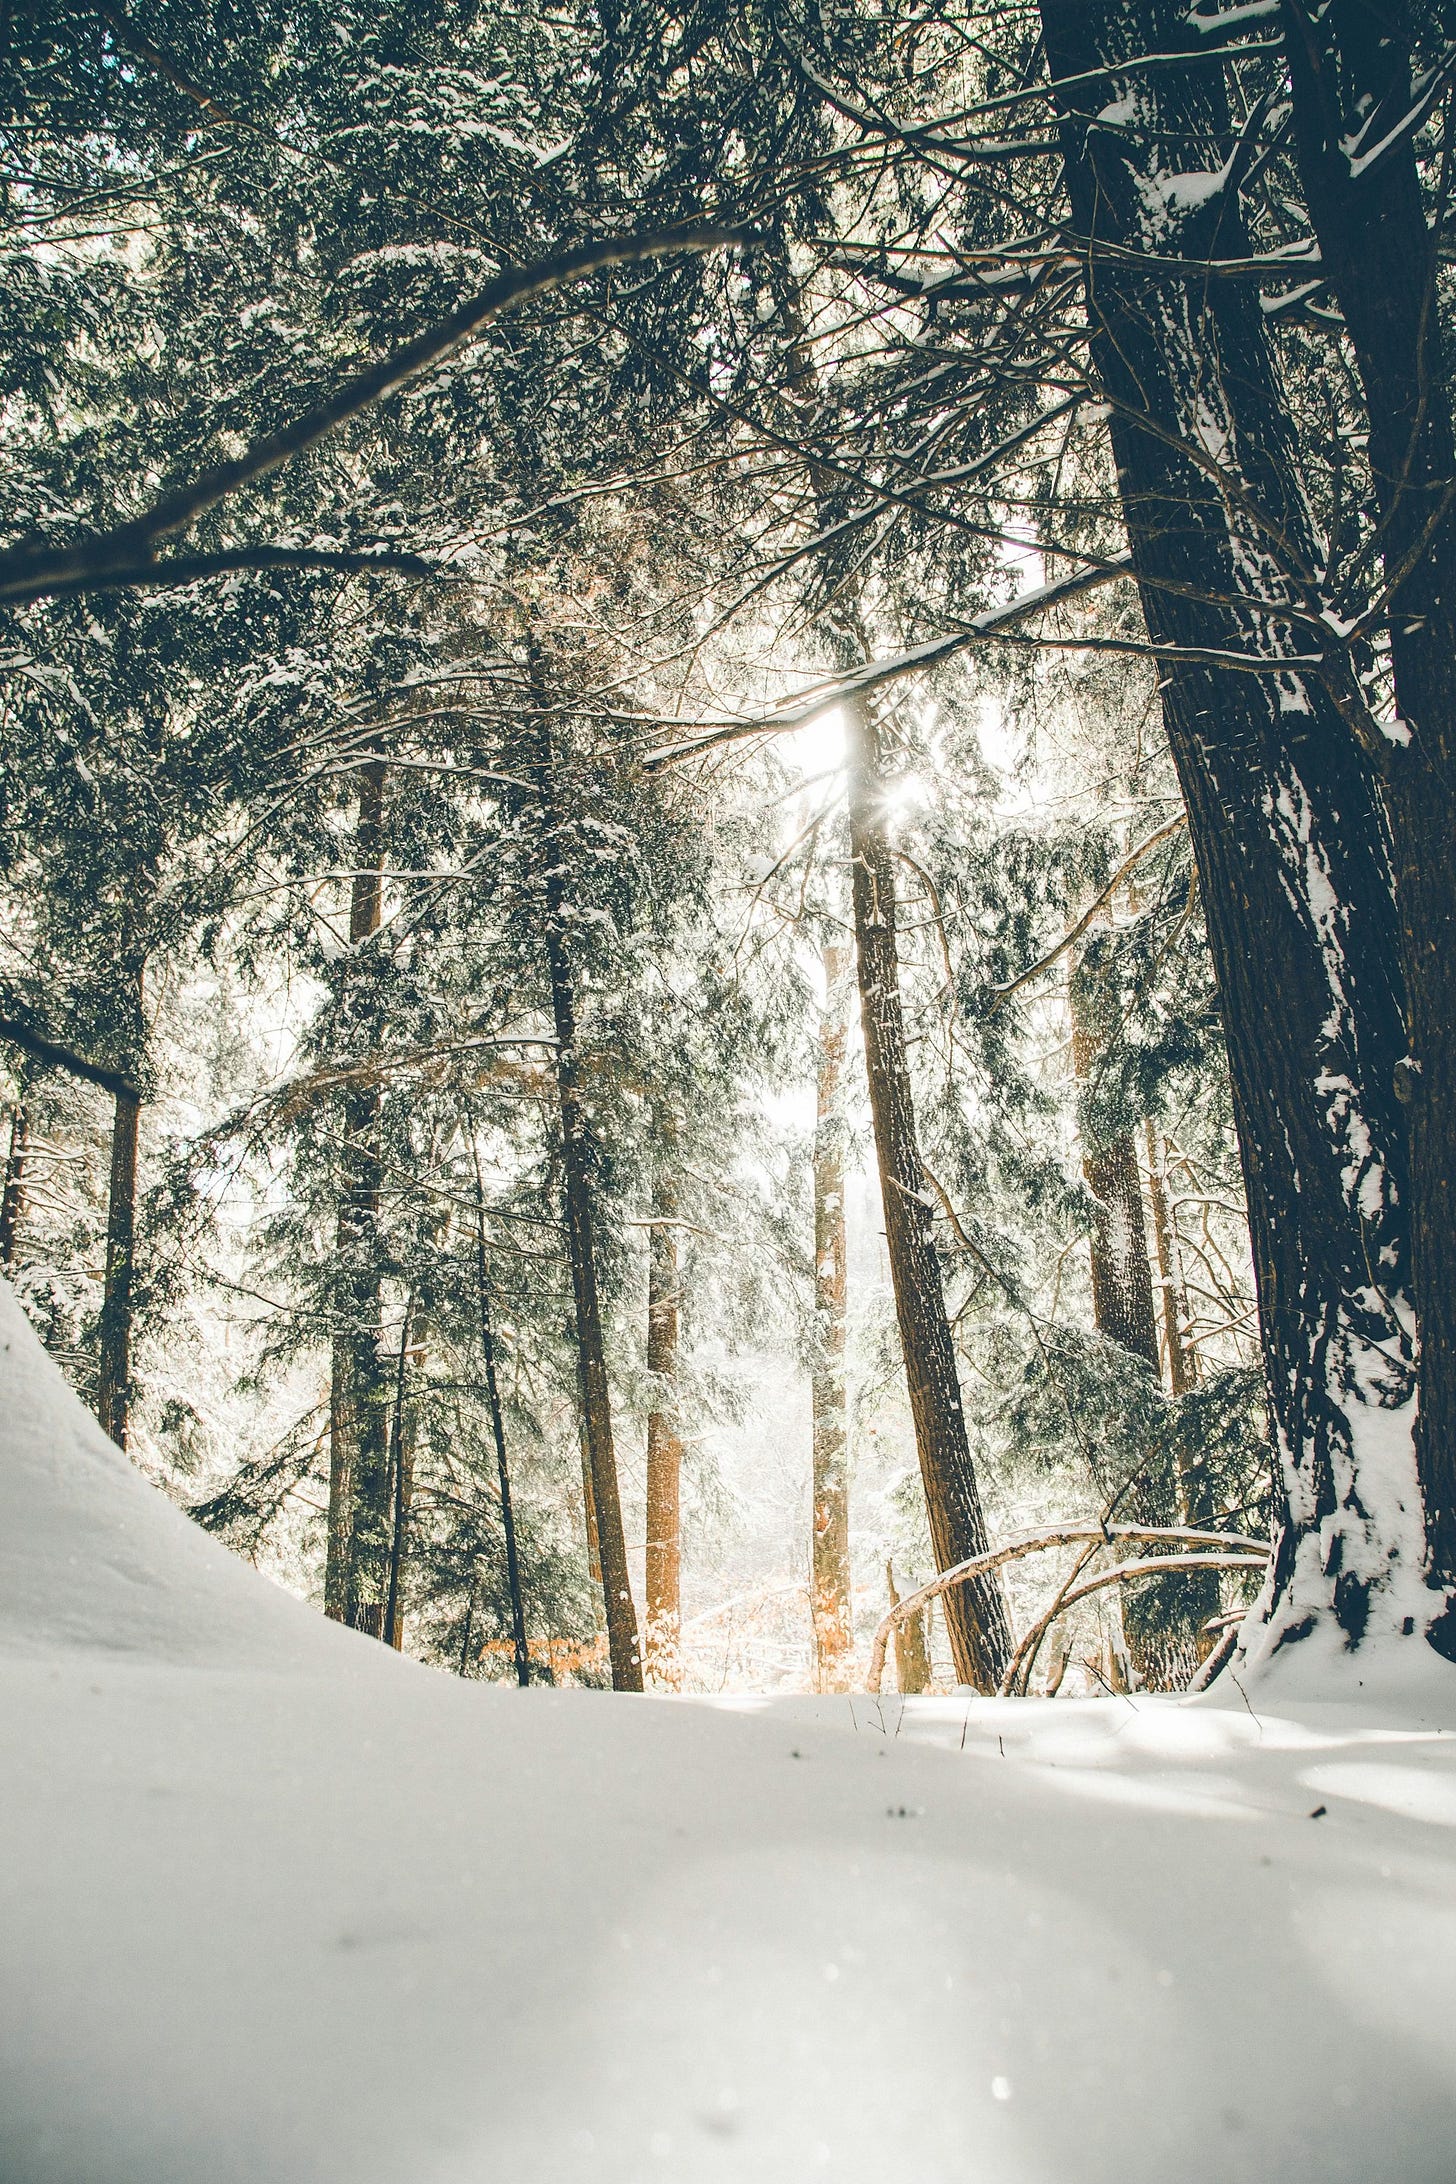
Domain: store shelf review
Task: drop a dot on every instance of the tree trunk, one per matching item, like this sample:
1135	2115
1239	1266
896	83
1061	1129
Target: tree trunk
1286	834
832	1594
401	1485
12	1199
975	1613
1163	1618
360	1531
912	1654
1350	73
519	1642
113	1377
1182	1360
664	1441
596	1403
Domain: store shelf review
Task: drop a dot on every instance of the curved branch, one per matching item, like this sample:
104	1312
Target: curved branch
1122	1573
1031	1543
1099	902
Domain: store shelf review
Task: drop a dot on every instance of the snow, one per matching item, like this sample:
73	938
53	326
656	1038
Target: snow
278	1904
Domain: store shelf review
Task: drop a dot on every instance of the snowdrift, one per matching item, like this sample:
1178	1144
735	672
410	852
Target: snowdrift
278	1905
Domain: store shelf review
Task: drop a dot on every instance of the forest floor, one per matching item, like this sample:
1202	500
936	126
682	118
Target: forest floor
278	1905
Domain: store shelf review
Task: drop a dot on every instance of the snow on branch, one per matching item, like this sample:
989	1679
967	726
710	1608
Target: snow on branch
1230	1550
35	569
823	697
1070	939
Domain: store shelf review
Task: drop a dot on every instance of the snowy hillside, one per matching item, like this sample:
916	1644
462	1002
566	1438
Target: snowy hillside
279	1905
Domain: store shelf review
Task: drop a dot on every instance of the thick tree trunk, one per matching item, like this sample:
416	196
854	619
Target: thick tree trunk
1350	70
664	1440
1286	834
832	1595
975	1613
12	1198
113	1377
360	1531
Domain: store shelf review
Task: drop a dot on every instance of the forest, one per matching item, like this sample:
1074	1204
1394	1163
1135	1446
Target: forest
728	970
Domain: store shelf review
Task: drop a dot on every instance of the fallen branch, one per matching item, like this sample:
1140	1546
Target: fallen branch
1031	1543
1122	1573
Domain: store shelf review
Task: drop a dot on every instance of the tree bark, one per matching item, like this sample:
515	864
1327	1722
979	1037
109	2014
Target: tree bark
1286	833
113	1377
664	1440
596	1402
832	1596
356	1572
1161	1620
975	1613
519	1642
912	1654
12	1198
1182	1361
1350	73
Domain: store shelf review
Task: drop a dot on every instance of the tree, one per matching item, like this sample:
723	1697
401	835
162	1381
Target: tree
831	1580
1285	826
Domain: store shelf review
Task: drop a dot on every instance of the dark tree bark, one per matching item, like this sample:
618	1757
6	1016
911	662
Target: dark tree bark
980	1637
831	1582
1350	70
1285	828
401	1483
664	1439
356	1575
12	1198
113	1377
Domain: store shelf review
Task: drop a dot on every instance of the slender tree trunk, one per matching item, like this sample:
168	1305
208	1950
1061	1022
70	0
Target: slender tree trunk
1182	1360
519	1642
401	1488
1350	72
1285	829
596	1403
12	1199
975	1613
1162	1619
832	1583
356	1574
1122	1282
664	1439
113	1378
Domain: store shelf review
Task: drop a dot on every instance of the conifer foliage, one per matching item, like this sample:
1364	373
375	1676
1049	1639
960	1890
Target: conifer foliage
541	553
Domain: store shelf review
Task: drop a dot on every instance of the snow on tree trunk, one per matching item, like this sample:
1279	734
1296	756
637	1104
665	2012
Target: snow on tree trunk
1294	878
1351	78
831	1583
975	1615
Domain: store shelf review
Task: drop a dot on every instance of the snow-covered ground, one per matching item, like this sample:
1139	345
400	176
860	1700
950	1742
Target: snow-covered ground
278	1905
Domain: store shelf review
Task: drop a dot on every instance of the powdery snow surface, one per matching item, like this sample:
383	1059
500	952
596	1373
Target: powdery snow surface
278	1905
